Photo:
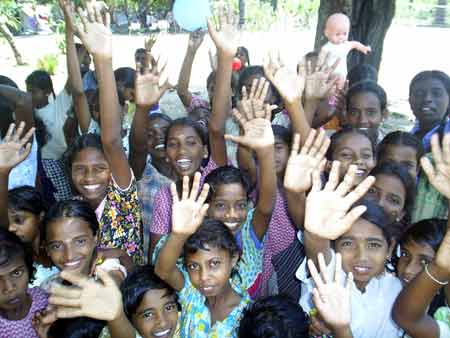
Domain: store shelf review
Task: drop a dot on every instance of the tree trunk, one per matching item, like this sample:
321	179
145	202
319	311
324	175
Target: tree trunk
241	13
370	20
274	5
4	30
440	13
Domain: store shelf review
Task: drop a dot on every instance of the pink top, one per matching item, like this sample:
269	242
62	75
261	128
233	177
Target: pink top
23	327
162	212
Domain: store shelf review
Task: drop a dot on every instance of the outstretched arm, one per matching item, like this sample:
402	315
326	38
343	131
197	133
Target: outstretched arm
97	38
360	47
147	93
187	215
75	83
258	136
195	40
225	40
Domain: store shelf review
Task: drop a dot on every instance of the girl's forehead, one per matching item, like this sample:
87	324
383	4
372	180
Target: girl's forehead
363	230
428	83
183	130
234	191
365	98
204	255
354	141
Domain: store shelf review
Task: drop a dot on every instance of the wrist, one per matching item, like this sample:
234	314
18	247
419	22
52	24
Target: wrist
439	273
342	331
180	237
4	173
265	151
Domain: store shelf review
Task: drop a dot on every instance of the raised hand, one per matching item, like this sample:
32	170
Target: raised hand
14	148
289	84
254	117
196	39
189	211
150	41
87	297
301	165
225	36
330	296
327	212
147	87
94	31
439	174
319	76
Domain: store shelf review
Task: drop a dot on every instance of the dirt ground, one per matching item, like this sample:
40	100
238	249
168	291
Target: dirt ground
407	50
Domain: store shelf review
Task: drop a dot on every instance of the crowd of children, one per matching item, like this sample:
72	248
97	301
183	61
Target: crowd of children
237	220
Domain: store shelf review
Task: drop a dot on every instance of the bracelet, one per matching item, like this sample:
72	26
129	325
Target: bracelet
433	278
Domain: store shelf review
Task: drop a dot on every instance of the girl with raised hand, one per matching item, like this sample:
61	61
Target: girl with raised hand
360	234
187	146
411	307
213	281
99	167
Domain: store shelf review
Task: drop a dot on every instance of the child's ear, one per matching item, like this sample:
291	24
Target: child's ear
385	114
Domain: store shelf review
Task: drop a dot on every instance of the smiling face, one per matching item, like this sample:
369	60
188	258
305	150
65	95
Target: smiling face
429	102
156	315
24	224
91	175
403	155
364	251
389	192
229	204
356	149
413	257
185	150
156	136
209	270
39	96
364	111
71	244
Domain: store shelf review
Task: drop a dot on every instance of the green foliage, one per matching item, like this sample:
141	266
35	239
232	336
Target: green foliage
49	63
418	12
9	13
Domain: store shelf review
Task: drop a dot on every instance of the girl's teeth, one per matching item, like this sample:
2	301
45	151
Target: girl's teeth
159	146
162	333
361	269
92	186
231	225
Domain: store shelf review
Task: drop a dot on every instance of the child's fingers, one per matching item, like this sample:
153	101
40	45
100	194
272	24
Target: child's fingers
333	177
295	145
236	139
338	269
315	275
185	191
309	141
69	312
90	11
335	64
323	268
268	111
16	136
203	194
322	165
351	217
83	17
436	149
98	15
324	147
302	67
428	168
73	278
9	133
348	181
318	302
174	193
316	181
244	93
107	19
195	186
239	117
360	190
446	148
25	152
65	301
349	282
253	89
262	89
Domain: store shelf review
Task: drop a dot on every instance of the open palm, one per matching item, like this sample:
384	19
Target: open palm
300	166
189	211
327	212
289	84
330	296
439	174
95	32
14	148
319	79
147	86
226	36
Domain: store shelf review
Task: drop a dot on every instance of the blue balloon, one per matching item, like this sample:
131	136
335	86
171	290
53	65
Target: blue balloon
191	14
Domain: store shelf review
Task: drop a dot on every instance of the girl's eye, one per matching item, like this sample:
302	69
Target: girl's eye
403	254
394	200
374	245
55	246
372	191
171	307
193	266
148	314
18	220
242	205
191	143
424	261
346	156
171	145
354	113
17	273
372	113
80	242
436	92
346	244
366	156
219	205
214	263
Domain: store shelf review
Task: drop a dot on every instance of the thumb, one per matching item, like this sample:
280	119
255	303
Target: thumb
428	168
105	277
236	139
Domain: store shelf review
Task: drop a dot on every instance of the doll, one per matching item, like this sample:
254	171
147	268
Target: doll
336	31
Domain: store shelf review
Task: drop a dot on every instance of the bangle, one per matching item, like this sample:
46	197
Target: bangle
433	278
